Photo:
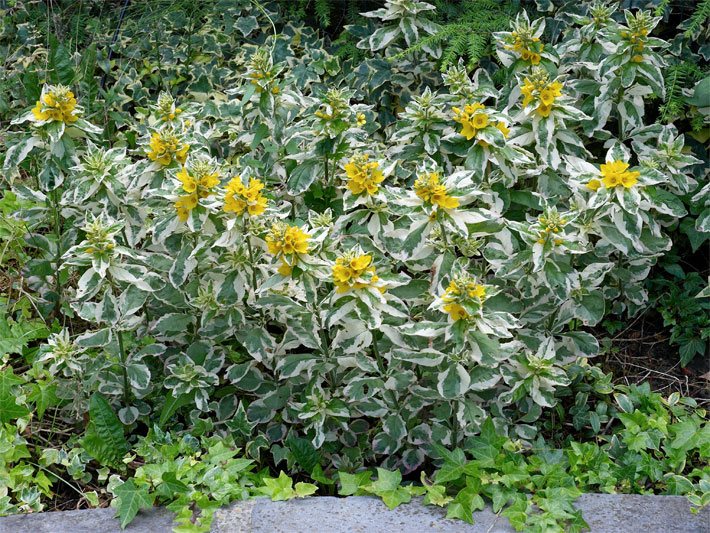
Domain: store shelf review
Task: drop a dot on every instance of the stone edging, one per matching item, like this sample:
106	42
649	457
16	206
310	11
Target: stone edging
605	513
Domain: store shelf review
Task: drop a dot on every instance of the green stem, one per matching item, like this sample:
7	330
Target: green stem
381	366
444	235
251	256
327	178
58	256
454	428
122	352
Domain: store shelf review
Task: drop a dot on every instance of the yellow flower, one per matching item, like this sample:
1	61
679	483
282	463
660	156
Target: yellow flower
456	312
527	91
503	129
594	184
534	58
480	121
57	104
361	120
547	96
463	289
363	176
541	91
287	243
616	173
184	205
470	119
199	179
166	146
428	188
544	110
239	198
189	184
354	271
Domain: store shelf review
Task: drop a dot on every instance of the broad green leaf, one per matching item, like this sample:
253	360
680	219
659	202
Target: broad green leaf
129	500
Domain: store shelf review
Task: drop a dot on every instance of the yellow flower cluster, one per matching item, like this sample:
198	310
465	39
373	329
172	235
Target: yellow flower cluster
542	91
240	197
166	146
287	243
614	174
364	176
58	103
528	47
472	118
429	188
197	182
463	291
354	271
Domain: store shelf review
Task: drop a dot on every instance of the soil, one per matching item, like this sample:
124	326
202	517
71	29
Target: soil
641	352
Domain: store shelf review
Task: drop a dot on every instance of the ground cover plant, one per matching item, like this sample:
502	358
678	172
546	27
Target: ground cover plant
241	258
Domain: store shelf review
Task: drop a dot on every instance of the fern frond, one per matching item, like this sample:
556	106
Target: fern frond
322	9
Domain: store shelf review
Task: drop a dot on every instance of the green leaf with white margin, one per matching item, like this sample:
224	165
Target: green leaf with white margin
181	268
453	382
174	323
303	176
382	37
425	357
390	439
129	500
94	339
484	378
138	376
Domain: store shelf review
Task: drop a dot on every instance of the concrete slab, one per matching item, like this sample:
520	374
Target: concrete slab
605	513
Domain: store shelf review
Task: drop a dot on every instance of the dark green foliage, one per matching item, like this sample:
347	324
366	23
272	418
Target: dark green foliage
466	29
687	316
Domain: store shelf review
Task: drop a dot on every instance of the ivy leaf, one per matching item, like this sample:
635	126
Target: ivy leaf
129	500
9	408
388	488
278	489
305	489
466	501
43	394
453	467
352	484
304	452
173	484
318	475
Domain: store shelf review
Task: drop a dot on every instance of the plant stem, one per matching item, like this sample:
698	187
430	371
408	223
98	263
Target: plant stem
454	427
247	237
327	178
122	352
381	366
58	255
444	235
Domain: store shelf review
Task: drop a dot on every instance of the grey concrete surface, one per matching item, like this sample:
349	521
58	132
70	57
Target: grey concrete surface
605	513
